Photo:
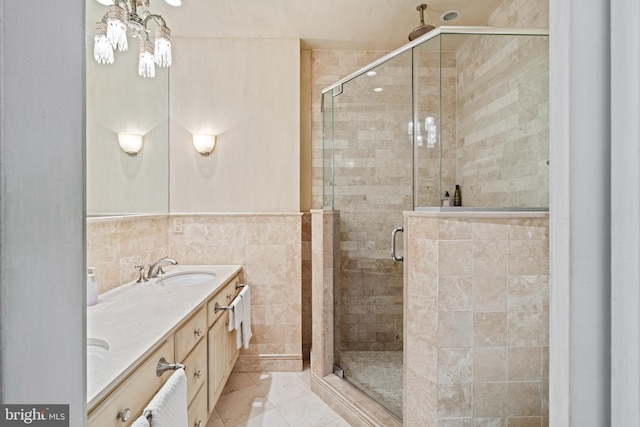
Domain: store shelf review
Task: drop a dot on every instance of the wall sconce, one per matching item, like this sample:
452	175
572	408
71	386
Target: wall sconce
204	143
130	143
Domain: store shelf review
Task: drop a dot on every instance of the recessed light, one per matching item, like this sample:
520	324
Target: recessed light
371	73
175	3
105	2
449	16
378	89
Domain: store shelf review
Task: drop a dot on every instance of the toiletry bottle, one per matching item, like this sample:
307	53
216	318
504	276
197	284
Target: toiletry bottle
457	196
446	202
92	287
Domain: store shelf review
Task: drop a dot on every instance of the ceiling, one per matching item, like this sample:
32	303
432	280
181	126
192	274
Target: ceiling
320	24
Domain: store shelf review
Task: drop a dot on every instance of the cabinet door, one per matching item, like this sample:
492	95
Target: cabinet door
218	341
232	349
198	409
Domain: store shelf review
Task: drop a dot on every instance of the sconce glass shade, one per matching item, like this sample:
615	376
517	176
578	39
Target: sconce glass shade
204	143
130	143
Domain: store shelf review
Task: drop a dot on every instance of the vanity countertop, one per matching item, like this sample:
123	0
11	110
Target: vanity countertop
135	318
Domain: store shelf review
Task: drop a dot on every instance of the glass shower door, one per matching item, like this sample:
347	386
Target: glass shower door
369	185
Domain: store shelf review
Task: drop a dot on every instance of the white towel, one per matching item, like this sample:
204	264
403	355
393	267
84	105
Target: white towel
142	421
245	294
235	309
169	406
236	316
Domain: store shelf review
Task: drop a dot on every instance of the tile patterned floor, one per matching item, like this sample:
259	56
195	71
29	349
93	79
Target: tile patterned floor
272	399
377	373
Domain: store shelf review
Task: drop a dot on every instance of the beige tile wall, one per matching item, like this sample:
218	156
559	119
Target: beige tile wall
270	249
477	314
115	245
503	121
373	185
268	246
327	67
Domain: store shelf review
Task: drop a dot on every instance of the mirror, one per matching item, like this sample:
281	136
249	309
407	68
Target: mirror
119	100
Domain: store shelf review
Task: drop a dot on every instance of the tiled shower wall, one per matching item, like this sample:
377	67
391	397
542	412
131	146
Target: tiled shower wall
373	185
436	86
268	246
503	121
477	316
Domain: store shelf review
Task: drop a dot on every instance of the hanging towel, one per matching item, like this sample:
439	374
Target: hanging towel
238	316
169	406
245	294
235	313
142	421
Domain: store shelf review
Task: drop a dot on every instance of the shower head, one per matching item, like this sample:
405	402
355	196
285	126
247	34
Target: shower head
422	29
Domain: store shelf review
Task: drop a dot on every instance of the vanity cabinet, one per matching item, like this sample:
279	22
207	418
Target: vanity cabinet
223	352
218	349
201	342
190	334
129	399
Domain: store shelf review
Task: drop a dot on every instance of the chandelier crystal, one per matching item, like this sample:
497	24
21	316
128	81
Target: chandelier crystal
134	15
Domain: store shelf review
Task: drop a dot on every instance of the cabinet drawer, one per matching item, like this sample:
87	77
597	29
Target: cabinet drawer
198	414
223	298
134	392
190	333
196	369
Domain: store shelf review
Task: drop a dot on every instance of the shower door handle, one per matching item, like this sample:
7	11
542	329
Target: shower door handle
398	258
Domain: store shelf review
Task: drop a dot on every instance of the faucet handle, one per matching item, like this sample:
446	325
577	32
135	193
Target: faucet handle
142	278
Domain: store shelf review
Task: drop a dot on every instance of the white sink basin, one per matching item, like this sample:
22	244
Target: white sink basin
186	278
97	351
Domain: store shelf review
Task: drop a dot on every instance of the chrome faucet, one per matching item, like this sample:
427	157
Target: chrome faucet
155	269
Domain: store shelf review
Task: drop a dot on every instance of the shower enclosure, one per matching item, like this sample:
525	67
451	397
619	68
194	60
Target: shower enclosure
457	106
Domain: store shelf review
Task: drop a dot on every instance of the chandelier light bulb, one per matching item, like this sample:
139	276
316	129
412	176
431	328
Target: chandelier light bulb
146	66
162	52
117	27
102	48
135	18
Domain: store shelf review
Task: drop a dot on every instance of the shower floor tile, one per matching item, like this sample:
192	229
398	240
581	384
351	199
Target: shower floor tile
377	373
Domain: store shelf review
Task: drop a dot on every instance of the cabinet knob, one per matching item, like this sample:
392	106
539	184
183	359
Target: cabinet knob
198	374
198	424
124	415
197	332
228	297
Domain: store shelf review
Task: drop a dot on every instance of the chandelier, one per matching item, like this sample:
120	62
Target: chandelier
111	34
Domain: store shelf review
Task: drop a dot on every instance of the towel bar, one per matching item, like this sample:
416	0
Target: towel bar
163	366
218	307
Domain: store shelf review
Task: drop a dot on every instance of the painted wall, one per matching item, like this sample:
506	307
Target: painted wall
248	93
119	100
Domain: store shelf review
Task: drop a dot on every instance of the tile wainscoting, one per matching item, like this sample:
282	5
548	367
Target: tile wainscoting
268	246
477	319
